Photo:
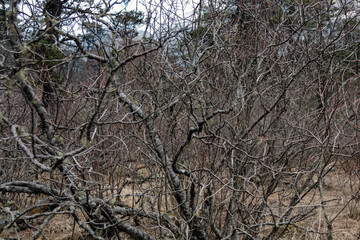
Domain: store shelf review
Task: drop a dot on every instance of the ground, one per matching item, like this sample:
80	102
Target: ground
345	216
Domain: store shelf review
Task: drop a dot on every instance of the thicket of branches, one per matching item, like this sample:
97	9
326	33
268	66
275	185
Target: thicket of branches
220	124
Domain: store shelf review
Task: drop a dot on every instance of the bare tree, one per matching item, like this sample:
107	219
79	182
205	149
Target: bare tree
220	124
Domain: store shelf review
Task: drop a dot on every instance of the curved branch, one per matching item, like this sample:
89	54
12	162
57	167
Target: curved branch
29	187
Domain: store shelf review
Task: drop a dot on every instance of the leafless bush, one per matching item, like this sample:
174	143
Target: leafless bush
224	124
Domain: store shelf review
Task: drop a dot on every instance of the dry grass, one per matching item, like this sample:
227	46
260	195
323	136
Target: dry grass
340	208
61	227
337	191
